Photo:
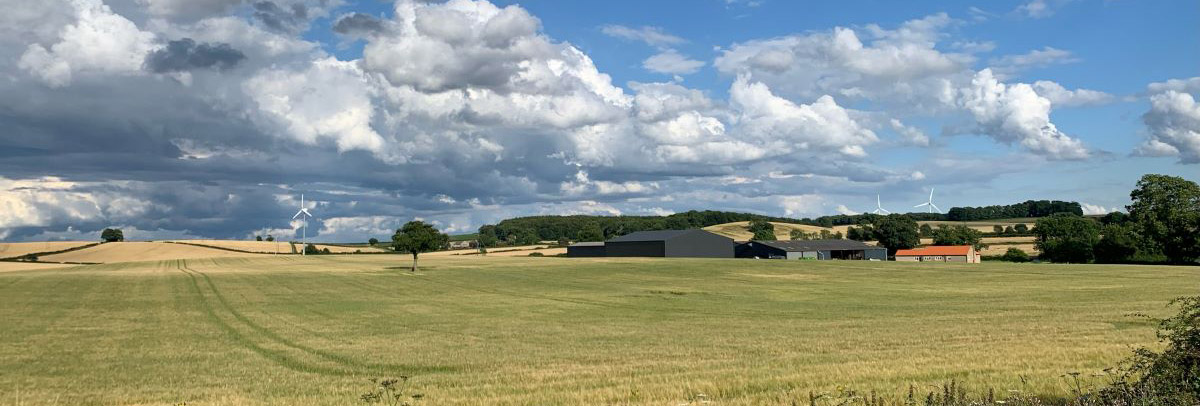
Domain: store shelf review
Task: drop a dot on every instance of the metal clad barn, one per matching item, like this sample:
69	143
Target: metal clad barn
586	249
670	243
812	249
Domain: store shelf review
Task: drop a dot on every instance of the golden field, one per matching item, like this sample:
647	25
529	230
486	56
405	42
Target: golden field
471	330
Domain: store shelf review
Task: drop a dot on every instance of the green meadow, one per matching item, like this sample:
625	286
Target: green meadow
561	331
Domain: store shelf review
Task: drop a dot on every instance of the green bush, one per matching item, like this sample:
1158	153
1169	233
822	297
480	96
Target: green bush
1015	254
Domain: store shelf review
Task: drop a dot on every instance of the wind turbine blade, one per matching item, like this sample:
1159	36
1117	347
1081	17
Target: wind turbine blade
931	194
297	214
305	211
934	206
922	204
885	211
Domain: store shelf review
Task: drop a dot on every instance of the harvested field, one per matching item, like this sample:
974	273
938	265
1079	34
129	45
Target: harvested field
16	249
999	249
338	249
9	266
266	247
737	230
984	226
142	251
469	330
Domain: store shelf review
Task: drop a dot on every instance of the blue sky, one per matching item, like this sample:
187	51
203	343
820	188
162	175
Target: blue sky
208	118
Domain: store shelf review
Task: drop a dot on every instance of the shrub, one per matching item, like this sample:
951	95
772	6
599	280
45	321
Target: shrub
1015	254
1172	375
536	254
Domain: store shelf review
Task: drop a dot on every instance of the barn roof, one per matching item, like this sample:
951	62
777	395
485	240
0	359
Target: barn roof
588	244
817	245
936	250
656	235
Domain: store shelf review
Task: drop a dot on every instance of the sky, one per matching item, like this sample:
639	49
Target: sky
209	118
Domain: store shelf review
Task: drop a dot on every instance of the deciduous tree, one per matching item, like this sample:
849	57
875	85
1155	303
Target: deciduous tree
1166	211
896	232
112	235
417	237
1066	237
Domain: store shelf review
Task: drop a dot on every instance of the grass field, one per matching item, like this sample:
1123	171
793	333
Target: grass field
513	331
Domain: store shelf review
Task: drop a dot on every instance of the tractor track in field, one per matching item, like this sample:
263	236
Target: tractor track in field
346	366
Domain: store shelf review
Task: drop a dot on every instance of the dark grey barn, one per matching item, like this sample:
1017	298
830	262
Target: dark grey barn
670	243
586	249
811	249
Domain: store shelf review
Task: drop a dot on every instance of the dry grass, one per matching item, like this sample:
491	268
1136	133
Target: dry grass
984	226
8	266
16	249
292	330
272	247
1000	249
337	249
141	251
266	247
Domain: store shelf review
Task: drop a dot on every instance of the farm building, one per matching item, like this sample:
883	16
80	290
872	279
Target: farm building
586	249
670	243
812	249
465	244
939	253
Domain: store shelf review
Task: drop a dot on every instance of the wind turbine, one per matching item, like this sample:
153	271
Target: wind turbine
303	215
929	204
879	207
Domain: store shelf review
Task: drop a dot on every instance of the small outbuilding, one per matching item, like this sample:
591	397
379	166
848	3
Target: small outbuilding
670	243
940	253
812	249
586	249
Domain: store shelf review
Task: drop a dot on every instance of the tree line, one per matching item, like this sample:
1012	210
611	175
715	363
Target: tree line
530	230
1029	208
1162	226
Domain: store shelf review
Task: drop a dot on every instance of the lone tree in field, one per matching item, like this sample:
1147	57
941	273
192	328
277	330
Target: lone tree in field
1166	211
763	230
417	237
896	232
373	241
112	235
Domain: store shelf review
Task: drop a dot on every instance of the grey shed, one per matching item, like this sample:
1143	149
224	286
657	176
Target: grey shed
670	243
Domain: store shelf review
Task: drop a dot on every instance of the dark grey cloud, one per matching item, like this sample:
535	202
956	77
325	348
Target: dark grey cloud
358	25
185	54
276	17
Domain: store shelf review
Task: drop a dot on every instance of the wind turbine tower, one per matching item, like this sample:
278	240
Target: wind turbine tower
879	207
303	215
929	204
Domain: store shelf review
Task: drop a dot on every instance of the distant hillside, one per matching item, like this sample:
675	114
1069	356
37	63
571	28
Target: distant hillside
739	230
531	230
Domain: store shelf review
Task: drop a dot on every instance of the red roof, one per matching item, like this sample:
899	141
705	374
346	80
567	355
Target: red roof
936	250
